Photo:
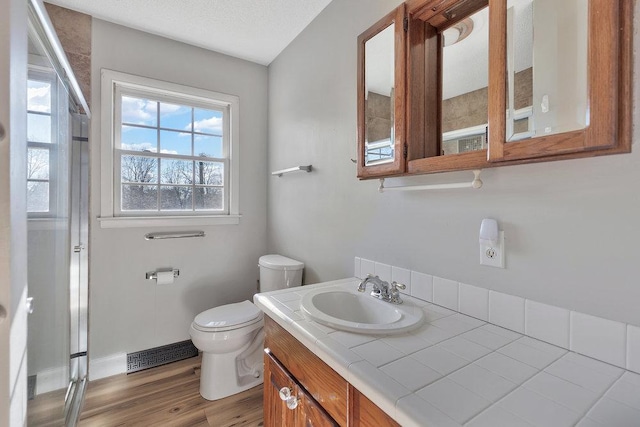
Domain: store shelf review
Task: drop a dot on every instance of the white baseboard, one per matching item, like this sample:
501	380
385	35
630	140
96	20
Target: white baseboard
107	366
52	379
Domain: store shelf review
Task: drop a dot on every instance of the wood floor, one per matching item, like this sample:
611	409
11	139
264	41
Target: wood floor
163	396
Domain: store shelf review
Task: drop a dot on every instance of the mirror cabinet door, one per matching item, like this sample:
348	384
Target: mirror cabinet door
465	81
558	85
450	69
381	97
494	82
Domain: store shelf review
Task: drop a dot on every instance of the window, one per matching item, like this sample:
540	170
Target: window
172	151
41	145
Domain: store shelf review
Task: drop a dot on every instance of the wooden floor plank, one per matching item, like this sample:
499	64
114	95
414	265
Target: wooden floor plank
164	396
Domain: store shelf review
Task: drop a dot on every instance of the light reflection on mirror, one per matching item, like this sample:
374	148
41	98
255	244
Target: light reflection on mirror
465	77
546	69
379	97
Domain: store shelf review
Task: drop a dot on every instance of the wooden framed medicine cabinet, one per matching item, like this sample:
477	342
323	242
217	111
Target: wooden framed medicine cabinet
481	91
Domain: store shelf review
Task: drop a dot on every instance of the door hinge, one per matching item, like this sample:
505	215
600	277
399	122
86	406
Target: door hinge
405	24
405	150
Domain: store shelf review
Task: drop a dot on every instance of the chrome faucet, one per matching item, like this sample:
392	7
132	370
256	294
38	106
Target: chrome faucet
382	289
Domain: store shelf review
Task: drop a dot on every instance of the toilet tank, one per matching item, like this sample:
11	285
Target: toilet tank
279	272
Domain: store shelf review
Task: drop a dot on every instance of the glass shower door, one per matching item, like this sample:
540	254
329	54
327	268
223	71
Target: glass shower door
57	204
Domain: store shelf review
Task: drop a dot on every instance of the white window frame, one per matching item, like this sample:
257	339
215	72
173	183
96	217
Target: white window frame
113	84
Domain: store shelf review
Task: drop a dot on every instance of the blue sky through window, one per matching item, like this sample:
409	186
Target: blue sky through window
186	124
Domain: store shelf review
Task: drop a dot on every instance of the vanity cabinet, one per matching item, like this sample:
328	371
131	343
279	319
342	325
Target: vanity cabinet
480	90
286	403
324	397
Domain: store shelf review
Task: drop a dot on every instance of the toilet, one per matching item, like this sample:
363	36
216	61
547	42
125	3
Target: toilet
231	336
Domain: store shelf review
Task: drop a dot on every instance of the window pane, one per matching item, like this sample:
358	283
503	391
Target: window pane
207	121
38	128
37	163
139	197
37	196
139	111
176	171
39	96
174	116
209	173
139	169
207	146
139	139
175	142
176	198
209	198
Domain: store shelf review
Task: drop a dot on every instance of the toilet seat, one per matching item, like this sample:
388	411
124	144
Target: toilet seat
228	317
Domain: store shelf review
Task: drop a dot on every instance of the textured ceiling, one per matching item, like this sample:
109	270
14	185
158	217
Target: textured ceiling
255	30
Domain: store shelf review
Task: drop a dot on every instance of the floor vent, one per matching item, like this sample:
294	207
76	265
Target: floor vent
159	356
31	386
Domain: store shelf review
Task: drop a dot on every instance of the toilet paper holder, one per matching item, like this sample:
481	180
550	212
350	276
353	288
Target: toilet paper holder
153	275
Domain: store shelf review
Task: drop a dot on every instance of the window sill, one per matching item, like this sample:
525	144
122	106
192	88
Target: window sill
167	221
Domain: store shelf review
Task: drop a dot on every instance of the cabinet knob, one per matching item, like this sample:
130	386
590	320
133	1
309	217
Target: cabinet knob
291	400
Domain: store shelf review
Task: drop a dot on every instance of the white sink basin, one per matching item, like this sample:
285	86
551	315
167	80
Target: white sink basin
359	312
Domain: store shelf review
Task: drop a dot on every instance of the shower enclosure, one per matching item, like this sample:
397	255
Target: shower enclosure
57	205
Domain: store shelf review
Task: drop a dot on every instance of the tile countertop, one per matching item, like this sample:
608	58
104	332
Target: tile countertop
456	370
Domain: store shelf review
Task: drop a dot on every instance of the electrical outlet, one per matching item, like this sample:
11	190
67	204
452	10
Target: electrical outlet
493	255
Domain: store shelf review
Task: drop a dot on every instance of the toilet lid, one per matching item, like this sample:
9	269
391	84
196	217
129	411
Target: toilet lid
227	315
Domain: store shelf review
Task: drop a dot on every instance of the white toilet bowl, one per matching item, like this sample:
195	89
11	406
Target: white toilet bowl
231	340
231	336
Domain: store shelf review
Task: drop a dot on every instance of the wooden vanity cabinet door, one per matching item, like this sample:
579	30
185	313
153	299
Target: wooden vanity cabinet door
308	413
276	412
365	413
323	383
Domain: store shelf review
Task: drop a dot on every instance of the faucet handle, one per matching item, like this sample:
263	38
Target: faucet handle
394	293
395	285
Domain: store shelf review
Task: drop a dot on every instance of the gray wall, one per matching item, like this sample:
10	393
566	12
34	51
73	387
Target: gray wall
127	312
571	227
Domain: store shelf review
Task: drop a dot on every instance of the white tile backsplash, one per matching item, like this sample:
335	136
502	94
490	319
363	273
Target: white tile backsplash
403	276
366	267
610	341
506	311
422	286
383	271
445	293
598	338
633	348
473	301
547	323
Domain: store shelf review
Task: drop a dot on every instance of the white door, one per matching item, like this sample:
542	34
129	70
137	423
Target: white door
13	225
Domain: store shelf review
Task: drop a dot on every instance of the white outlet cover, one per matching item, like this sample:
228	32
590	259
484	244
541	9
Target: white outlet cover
498	259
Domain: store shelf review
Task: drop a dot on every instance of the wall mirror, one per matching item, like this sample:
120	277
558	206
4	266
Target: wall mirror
465	80
572	60
381	97
546	71
497	82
